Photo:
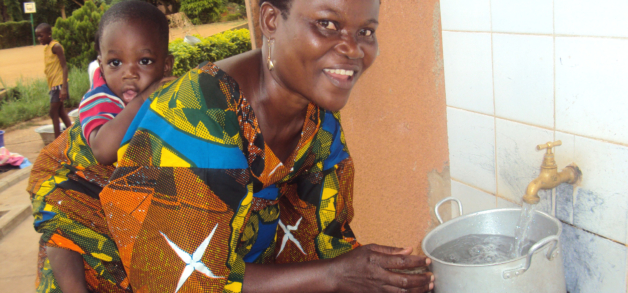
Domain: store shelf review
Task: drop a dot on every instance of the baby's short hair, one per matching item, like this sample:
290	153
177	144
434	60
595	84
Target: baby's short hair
135	10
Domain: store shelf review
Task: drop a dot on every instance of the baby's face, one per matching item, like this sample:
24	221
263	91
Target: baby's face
132	58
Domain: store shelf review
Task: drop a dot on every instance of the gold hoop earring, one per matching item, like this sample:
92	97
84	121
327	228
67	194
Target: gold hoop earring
269	62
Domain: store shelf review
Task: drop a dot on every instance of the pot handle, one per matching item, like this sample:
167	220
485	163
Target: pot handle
444	200
507	274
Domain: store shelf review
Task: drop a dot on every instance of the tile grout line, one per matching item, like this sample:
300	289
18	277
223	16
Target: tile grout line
594	234
490	12
570	224
554	202
545	127
539	34
485	191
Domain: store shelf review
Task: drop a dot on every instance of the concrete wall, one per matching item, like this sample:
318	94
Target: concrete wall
396	128
521	73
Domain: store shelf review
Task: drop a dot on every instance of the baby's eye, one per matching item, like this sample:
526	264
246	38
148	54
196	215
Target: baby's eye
114	63
366	33
146	61
330	25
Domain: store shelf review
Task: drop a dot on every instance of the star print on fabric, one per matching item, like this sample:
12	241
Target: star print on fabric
193	261
288	235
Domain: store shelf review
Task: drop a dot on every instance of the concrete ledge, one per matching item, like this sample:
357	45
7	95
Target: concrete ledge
244	25
16	177
11	218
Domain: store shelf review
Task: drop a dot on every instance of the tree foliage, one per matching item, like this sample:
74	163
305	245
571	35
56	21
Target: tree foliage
76	33
213	48
10	10
202	11
48	10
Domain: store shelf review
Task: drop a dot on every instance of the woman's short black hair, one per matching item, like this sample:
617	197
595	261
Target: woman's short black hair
135	10
282	5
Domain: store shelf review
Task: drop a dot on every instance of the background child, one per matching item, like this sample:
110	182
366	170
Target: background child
77	251
57	74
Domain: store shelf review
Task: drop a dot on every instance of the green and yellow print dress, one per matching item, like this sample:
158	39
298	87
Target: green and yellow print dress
64	185
197	194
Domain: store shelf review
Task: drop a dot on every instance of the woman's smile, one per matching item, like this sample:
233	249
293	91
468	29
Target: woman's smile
342	78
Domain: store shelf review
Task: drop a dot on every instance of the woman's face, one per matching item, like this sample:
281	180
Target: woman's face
323	47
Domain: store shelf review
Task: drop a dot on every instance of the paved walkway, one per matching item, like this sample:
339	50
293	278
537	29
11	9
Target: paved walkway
19	247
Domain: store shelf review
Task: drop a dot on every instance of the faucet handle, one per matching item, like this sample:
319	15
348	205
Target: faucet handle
549	145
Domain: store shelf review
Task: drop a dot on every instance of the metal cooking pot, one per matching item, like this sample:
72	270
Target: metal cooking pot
541	270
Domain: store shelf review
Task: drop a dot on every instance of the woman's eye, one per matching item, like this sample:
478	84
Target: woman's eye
330	25
146	61
114	63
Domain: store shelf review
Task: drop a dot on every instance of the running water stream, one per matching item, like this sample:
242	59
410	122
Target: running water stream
489	249
521	231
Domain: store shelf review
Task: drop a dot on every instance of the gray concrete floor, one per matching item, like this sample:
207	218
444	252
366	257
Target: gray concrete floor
19	248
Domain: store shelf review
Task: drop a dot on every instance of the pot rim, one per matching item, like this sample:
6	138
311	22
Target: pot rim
463	217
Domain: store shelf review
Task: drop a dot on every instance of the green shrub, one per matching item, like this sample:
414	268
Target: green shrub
15	34
213	48
76	34
234	16
29	98
202	11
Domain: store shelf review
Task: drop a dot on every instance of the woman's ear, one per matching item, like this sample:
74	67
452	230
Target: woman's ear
268	17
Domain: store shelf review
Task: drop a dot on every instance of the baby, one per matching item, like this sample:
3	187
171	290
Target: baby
132	57
77	253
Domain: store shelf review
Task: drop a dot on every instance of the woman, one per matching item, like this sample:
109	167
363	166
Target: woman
236	177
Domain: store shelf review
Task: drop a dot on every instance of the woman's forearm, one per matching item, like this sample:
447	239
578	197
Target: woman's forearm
312	276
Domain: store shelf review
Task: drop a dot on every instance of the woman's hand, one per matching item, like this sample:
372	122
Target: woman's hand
367	269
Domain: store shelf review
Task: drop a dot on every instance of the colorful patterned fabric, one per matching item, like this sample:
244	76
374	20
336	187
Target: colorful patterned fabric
98	107
64	187
197	194
52	65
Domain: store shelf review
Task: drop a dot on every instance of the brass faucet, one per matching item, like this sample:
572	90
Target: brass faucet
550	177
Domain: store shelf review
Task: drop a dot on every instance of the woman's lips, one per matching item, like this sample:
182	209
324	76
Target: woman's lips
342	78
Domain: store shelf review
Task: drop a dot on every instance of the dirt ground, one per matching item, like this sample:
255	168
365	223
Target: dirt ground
28	62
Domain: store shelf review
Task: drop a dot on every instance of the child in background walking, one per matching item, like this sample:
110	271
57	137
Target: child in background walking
57	74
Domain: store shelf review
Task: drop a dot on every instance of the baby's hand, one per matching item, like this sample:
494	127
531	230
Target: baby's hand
154	86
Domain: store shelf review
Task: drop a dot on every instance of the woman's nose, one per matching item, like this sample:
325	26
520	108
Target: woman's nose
350	47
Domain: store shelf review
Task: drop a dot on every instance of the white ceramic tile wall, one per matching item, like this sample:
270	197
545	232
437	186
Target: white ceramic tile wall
472	148
600	204
524	78
592	264
474	15
518	161
558	71
468	68
591	87
516	16
605	18
473	200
